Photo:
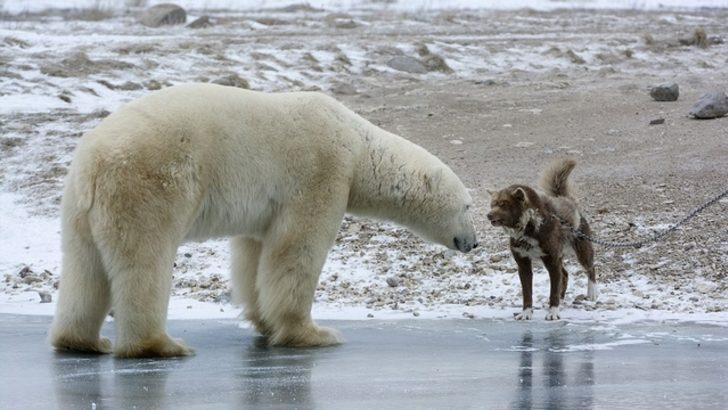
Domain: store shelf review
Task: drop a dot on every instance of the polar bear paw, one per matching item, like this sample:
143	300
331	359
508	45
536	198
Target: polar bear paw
163	346
553	313
526	314
101	345
307	336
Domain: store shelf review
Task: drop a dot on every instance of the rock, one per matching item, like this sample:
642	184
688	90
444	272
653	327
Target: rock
271	21
434	62
665	92
232	80
393	281
201	22
165	14
657	121
130	86
79	64
369	315
340	20
25	272
575	58
343	89
30	279
407	64
153	85
710	105
45	297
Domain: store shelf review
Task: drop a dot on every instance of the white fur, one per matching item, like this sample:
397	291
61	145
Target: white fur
526	314
529	215
533	250
553	313
592	293
275	171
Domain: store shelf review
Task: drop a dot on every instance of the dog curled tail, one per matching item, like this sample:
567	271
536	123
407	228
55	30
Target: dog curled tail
555	179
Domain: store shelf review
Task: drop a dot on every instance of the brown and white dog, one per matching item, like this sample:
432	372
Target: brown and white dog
533	220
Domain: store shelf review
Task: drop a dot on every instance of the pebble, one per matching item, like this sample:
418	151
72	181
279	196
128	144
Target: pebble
710	105
657	121
665	92
393	281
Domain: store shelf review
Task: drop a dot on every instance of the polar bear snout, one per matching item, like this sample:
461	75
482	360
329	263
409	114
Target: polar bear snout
464	244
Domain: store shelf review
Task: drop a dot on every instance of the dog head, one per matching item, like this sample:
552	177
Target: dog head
509	207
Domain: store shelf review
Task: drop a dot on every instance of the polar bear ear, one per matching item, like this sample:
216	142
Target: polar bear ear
432	180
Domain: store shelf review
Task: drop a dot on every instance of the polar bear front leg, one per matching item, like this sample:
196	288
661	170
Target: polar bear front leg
245	260
294	251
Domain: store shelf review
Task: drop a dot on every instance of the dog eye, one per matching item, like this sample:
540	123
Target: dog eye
467	207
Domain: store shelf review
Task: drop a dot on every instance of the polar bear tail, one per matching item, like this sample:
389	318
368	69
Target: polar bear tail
82	183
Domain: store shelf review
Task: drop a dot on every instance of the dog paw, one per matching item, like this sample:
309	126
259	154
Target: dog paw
592	293
526	314
553	313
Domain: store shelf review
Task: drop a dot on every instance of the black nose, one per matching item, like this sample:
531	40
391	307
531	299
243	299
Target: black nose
490	217
463	245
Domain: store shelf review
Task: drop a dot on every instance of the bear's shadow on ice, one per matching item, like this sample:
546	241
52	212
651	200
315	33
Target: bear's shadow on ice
82	380
279	375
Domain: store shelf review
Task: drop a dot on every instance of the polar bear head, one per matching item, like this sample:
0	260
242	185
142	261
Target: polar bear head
445	216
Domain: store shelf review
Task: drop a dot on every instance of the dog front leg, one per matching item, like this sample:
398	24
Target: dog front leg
525	273
555	268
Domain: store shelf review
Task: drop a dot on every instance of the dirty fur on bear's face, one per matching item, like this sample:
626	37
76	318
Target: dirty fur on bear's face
533	221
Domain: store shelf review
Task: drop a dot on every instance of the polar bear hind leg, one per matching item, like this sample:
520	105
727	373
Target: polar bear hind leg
84	297
245	260
294	251
141	280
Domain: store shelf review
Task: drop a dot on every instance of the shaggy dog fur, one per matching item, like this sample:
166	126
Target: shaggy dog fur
533	220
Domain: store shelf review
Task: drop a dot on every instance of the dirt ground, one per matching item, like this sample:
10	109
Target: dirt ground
516	90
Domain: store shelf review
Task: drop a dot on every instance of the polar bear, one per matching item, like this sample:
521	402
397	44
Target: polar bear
276	172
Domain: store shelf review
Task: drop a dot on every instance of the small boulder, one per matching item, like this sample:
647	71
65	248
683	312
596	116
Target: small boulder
710	105
232	80
407	64
166	14
45	297
201	22
665	92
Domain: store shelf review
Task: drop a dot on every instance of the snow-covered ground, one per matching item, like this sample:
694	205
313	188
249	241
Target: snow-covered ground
60	76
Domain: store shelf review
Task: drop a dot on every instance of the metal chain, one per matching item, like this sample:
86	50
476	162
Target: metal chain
654	238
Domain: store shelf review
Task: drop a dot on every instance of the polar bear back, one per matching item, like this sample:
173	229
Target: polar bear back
194	139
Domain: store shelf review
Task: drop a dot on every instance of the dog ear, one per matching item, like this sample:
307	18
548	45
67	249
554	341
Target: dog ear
520	194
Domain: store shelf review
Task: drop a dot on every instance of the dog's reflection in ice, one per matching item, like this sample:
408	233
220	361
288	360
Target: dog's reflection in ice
565	380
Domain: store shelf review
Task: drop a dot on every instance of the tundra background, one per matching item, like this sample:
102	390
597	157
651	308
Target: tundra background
496	94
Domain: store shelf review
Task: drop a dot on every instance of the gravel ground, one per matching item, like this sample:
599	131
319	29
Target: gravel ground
496	95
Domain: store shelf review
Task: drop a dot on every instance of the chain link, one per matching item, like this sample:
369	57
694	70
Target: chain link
653	238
